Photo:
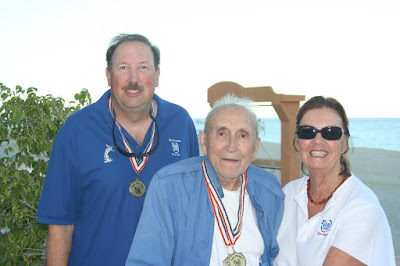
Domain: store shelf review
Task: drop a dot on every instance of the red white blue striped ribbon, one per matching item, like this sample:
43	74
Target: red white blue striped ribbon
138	163
229	235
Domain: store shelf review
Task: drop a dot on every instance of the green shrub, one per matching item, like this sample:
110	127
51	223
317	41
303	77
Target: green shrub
28	126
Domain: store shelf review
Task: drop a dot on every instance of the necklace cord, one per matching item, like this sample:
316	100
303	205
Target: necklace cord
132	154
326	199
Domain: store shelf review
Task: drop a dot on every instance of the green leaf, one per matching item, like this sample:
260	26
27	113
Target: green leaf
28	125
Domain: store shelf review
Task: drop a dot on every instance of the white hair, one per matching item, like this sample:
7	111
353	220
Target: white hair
232	100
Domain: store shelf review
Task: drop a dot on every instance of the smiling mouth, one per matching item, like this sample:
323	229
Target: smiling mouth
319	153
132	91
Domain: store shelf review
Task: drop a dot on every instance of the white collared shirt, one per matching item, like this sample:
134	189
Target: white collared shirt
353	221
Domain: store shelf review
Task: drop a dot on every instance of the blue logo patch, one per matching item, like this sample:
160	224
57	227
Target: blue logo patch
326	226
175	147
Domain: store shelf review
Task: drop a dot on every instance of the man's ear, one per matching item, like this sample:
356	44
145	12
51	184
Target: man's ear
203	142
256	149
108	75
157	77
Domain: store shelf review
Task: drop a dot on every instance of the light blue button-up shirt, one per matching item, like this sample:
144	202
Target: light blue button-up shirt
177	222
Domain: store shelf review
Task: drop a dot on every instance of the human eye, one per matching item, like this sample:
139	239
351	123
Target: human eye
123	67
244	136
221	133
143	67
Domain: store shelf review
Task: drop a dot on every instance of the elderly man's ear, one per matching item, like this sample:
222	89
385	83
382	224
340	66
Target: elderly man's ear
256	149
203	143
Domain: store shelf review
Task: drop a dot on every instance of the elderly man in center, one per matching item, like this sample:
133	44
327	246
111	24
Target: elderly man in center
217	209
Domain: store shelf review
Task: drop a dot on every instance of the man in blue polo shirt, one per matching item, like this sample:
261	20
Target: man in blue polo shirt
104	157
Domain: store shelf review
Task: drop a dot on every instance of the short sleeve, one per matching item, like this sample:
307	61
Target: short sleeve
59	201
365	234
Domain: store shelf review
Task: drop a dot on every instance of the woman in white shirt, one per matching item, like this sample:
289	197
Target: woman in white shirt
331	217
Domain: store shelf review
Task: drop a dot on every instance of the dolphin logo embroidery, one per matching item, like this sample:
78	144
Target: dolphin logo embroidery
107	158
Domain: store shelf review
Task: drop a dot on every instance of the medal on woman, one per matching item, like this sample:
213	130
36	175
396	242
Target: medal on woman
235	259
137	188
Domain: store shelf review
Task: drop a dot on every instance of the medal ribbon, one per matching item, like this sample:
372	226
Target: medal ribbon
229	235
138	163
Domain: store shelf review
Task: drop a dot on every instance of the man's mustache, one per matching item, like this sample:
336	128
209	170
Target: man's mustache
132	86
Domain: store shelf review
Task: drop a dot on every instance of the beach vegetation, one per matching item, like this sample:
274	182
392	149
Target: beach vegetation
28	126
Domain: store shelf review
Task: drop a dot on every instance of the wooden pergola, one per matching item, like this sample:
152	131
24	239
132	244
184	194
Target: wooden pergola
286	106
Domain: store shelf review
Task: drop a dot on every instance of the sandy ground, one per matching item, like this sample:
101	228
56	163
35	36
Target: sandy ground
378	169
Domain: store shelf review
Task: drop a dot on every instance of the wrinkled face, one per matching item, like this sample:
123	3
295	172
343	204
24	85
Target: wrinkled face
230	141
320	155
132	77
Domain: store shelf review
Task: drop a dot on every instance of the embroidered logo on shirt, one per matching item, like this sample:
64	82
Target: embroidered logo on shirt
107	158
325	227
175	147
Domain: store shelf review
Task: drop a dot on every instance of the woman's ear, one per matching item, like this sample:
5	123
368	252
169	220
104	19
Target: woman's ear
346	146
296	143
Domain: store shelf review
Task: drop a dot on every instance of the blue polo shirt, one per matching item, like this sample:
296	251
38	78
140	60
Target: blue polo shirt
177	223
87	180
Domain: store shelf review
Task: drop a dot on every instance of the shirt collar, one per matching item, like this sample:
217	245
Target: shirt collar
214	178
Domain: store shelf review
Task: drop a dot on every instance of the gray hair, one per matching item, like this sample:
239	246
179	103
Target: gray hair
232	100
117	40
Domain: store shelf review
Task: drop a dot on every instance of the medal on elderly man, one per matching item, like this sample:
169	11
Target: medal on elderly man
229	235
235	259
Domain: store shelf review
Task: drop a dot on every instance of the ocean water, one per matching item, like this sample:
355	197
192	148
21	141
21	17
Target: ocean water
375	133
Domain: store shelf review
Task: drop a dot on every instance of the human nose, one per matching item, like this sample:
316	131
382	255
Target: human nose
133	76
232	144
318	137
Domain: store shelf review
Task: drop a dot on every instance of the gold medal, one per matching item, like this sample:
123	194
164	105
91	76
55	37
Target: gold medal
235	259
137	188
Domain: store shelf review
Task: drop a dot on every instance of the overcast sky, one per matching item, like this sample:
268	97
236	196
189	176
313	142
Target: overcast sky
349	49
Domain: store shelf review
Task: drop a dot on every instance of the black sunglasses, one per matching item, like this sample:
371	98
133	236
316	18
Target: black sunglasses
131	154
328	133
